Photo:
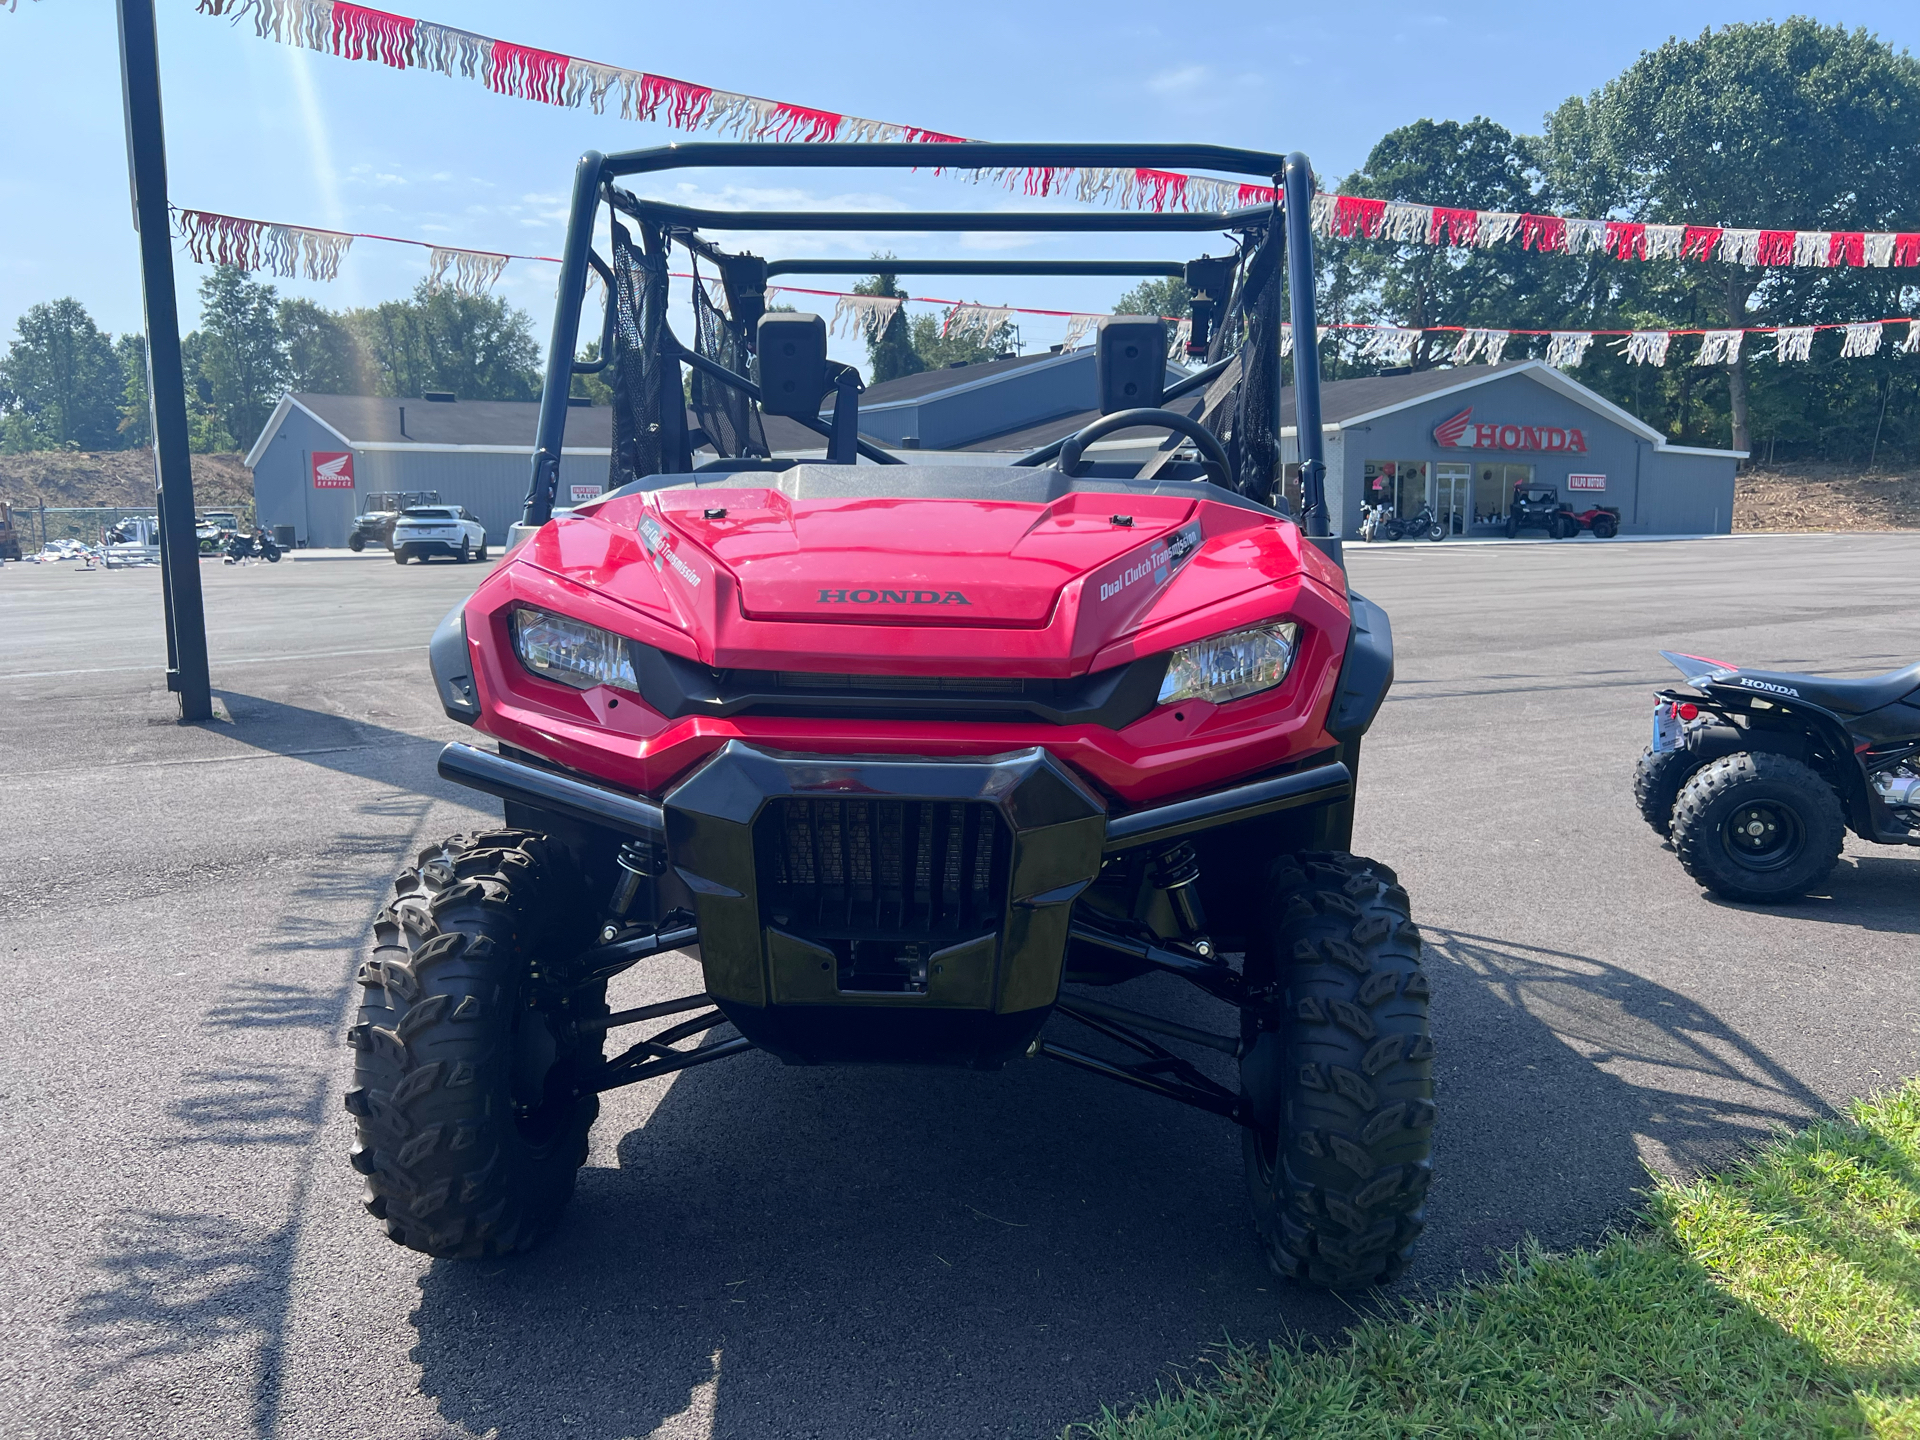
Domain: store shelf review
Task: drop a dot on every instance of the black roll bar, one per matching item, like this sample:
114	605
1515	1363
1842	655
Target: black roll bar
595	169
976	267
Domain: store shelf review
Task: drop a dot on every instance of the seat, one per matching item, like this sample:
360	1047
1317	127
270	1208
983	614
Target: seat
1842	697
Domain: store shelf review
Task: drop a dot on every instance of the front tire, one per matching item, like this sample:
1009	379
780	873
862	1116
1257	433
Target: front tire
1436	531
1337	1075
356	542
469	1065
1758	828
481	553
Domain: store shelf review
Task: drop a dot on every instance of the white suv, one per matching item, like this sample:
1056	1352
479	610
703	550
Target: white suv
438	530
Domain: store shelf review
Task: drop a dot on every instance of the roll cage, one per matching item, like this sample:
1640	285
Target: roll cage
1242	331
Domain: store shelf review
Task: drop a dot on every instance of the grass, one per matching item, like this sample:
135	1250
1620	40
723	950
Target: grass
1781	1298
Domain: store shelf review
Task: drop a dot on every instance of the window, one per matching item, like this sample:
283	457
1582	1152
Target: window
1399	483
423	513
1493	487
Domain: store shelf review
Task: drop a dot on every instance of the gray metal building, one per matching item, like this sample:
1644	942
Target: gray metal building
1461	439
476	453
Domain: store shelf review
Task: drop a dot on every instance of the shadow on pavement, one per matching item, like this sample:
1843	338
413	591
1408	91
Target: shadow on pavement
1865	892
341	743
175	1283
788	1252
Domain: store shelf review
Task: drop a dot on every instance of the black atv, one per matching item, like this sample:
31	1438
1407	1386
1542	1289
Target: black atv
1755	775
374	525
1538	507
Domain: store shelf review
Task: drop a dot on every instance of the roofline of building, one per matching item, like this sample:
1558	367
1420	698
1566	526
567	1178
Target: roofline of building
978	382
278	418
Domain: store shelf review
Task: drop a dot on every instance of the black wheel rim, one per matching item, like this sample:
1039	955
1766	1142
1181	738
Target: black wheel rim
542	1076
1763	835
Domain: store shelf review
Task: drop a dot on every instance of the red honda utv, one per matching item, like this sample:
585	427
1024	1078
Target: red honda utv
925	760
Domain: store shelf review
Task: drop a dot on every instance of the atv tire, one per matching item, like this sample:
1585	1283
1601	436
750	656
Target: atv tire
1337	1075
1757	827
469	1067
1605	527
356	542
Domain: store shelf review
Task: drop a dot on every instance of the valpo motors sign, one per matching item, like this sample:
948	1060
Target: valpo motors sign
1463	432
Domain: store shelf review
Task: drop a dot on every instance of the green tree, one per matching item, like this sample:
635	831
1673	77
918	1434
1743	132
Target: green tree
1793	125
1479	165
477	346
321	354
241	365
136	412
890	348
938	346
1165	295
62	380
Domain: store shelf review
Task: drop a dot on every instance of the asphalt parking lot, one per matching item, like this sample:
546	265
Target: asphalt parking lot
762	1251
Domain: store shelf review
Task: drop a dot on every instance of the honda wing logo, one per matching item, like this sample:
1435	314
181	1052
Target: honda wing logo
333	470
1448	432
1463	432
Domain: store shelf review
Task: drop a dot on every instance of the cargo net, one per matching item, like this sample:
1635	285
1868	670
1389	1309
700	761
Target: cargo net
730	419
648	437
1241	407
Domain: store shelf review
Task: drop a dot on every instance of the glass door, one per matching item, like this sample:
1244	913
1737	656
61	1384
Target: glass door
1453	496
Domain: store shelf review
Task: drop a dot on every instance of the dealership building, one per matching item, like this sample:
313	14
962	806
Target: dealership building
1463	439
1459	439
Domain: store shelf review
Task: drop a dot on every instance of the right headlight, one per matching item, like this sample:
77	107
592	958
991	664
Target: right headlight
570	651
1227	667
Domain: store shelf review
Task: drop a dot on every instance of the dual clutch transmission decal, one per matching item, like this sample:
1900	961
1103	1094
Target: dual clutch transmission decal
659	544
1119	593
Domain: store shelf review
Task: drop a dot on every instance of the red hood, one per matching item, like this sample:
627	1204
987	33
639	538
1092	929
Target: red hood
748	577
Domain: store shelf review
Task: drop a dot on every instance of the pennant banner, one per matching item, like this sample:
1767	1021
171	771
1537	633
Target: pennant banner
356	32
284	250
474	271
865	317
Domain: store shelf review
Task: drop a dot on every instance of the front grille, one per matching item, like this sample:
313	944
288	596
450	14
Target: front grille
852	869
902	684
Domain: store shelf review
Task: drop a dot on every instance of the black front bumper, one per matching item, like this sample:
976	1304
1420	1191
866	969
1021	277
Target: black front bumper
885	909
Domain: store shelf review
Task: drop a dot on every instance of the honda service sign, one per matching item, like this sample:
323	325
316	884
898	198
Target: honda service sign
584	493
333	469
1586	482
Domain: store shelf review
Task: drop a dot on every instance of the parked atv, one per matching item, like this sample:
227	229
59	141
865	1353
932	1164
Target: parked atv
1756	774
1605	524
920	757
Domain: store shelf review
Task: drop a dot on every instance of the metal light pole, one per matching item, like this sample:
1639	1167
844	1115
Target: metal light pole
166	386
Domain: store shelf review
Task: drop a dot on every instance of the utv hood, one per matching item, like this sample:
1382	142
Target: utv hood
745	571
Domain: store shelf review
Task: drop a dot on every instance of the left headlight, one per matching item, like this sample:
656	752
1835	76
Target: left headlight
1226	667
583	656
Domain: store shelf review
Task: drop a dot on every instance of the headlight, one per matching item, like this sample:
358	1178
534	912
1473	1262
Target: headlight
1229	666
583	656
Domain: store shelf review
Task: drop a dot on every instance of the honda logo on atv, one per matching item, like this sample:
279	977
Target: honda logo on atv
893	597
1767	686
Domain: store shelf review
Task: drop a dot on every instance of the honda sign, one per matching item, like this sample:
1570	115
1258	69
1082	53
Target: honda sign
333	469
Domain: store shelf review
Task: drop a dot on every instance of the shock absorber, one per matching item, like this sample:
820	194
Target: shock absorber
638	861
1177	872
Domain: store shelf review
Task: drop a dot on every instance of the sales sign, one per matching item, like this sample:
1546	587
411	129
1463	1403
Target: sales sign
1463	432
1586	482
584	493
333	469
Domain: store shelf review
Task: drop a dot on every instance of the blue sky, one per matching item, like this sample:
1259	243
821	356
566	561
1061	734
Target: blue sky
260	129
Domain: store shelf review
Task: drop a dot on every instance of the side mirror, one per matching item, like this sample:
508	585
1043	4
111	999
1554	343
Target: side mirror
1130	362
792	363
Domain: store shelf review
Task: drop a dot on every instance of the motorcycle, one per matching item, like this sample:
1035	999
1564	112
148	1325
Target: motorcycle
257	546
1424	523
1377	523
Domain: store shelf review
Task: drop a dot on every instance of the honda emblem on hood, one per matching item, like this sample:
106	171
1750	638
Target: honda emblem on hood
893	597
